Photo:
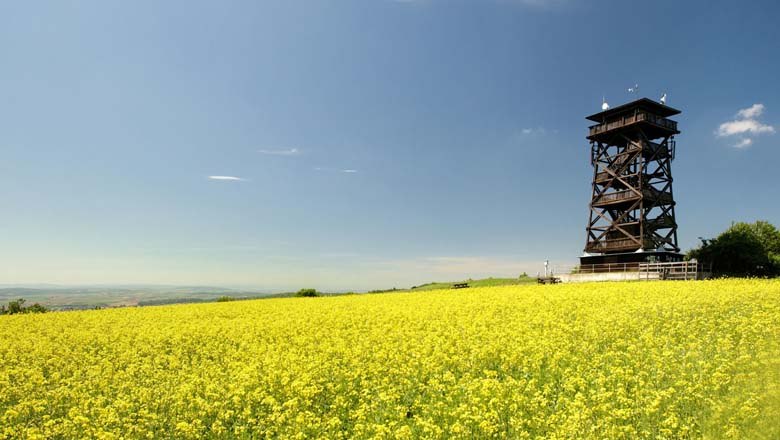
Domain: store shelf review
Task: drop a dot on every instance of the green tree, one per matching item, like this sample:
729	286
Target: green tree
307	293
769	236
15	307
744	249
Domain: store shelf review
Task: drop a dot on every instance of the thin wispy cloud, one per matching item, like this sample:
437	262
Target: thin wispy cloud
228	178
529	3
340	255
530	131
744	126
537	3
458	267
281	152
338	170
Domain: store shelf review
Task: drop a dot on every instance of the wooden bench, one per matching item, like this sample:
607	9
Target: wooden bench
548	280
460	285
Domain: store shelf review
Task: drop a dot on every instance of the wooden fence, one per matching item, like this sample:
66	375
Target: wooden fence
679	270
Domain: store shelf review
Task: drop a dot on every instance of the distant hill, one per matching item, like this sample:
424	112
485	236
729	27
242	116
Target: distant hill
87	297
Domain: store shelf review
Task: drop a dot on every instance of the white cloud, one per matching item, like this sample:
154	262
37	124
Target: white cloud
744	143
283	152
340	170
742	126
745	124
228	178
751	112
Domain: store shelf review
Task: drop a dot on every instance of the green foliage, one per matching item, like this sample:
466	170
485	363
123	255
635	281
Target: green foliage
744	249
17	307
306	293
225	298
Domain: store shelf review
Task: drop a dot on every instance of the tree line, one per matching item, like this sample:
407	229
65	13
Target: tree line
17	307
742	250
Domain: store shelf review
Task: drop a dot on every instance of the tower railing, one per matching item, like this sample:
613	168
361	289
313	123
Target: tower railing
632	119
616	244
627	195
677	270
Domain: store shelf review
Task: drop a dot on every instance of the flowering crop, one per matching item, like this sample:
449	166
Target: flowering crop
613	360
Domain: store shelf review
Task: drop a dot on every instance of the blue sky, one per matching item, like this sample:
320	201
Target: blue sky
377	143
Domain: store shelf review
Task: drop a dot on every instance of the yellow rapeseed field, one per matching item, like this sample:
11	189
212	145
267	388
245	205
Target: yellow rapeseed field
607	361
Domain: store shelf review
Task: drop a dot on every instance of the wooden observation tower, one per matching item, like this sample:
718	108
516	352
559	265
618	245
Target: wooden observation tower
632	207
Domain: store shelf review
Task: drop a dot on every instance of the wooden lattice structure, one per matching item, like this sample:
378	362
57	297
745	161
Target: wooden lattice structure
632	215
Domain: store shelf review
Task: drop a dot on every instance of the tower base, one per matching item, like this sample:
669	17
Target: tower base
633	258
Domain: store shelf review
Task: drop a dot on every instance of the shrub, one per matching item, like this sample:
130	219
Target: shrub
305	293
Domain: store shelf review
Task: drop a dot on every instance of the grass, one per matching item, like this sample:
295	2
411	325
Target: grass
485	282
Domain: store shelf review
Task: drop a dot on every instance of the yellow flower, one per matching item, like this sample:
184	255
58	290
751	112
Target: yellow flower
611	360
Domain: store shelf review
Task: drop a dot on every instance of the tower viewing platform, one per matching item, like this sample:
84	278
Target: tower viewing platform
644	114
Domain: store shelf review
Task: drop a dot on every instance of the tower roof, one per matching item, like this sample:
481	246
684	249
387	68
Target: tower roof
644	103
